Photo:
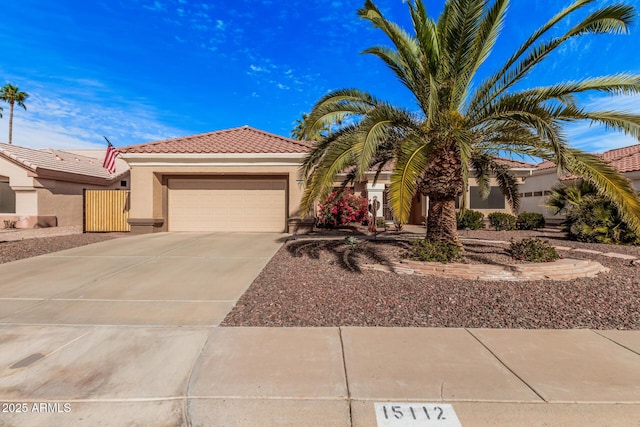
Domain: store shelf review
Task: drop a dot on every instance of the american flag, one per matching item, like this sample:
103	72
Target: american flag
109	162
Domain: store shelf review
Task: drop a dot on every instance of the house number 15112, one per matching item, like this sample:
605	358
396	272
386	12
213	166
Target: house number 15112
416	415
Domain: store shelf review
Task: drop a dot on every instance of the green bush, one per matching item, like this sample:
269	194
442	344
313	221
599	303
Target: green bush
530	221
589	216
472	220
381	223
533	250
502	221
431	251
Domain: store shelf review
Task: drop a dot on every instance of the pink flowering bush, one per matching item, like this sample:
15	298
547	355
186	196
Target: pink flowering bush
342	208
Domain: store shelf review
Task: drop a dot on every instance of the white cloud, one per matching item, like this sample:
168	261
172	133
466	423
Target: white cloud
156	7
595	137
258	69
73	116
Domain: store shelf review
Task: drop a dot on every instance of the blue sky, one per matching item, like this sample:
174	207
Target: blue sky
143	70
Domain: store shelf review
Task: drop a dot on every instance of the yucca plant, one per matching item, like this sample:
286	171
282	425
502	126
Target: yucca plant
463	123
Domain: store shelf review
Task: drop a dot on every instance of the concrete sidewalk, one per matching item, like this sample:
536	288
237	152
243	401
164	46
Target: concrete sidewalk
217	376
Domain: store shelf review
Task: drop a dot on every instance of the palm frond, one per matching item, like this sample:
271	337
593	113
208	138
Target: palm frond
410	166
507	183
609	182
610	19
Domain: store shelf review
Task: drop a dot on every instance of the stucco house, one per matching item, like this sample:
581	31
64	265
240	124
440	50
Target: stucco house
535	189
240	179
244	179
44	188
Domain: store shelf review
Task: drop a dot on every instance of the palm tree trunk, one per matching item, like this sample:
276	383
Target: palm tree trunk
441	220
442	183
10	121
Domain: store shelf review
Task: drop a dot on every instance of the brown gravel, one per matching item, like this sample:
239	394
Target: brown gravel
319	283
27	248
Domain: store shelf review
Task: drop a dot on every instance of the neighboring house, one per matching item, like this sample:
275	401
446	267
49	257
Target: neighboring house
44	188
243	179
496	202
240	179
536	188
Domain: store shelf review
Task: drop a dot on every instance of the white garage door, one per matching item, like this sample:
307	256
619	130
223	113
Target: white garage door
227	204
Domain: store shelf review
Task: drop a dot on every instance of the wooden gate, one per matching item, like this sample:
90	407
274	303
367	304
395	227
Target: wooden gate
106	210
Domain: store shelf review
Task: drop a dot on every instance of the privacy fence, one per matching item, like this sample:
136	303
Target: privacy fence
106	211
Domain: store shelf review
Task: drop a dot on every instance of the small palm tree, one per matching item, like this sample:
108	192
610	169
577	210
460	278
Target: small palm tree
463	124
11	94
589	216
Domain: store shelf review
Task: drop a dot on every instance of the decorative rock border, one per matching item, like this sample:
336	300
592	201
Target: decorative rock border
567	248
563	269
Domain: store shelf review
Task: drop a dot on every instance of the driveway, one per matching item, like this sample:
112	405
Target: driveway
168	279
108	334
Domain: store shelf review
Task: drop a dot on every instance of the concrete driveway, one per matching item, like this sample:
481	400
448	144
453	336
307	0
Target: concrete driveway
108	334
168	279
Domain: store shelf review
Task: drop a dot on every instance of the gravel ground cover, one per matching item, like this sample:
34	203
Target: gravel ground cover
319	282
14	250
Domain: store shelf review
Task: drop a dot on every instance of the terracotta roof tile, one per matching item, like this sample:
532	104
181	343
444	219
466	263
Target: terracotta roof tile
232	141
625	159
59	161
513	164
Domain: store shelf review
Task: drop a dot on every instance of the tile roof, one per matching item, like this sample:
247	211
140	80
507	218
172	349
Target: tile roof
513	164
625	159
49	160
231	141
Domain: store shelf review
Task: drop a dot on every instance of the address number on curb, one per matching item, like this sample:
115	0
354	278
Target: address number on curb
389	414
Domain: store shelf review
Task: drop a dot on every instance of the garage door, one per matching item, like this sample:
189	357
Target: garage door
227	204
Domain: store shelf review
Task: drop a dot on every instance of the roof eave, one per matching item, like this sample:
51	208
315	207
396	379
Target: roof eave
74	178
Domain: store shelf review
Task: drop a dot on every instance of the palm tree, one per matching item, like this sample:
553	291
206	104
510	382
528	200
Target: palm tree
11	94
589	217
463	124
298	132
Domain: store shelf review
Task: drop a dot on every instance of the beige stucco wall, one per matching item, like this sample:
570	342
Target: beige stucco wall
26	198
540	181
149	194
545	180
64	199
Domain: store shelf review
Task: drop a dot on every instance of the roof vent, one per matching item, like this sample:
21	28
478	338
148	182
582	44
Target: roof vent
58	158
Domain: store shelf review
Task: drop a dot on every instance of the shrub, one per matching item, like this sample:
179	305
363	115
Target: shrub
431	251
530	221
502	221
341	208
472	220
381	223
589	216
533	250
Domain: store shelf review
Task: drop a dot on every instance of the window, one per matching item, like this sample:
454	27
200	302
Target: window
547	193
494	201
123	183
528	194
537	193
7	198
